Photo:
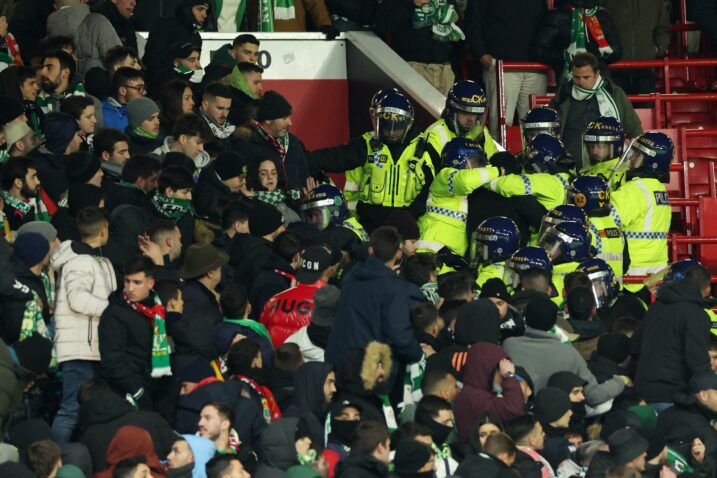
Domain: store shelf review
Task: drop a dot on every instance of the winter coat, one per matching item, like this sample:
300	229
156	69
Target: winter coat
288	311
211	195
29	25
51	171
276	276
93	33
13	379
671	342
100	417
125	346
643	27
126	223
361	466
114	114
477	395
193	334
250	424
310	351
85	282
542	354
14	307
375	305
485	466
278	452
12	292
247	256
124	27
685	421
604	369
117	195
553	37
293	166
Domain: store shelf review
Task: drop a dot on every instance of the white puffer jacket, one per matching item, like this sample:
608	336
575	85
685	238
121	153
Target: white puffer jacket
85	282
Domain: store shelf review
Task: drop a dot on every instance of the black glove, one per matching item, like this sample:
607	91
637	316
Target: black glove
505	160
330	32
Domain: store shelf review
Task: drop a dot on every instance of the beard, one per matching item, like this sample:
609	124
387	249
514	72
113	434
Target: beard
25	191
48	86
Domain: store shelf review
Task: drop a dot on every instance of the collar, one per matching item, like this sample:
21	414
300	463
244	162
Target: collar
539	334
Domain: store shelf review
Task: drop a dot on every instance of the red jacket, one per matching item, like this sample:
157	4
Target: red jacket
288	311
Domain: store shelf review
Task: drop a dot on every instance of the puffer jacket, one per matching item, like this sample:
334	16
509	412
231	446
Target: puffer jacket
277	448
288	311
93	33
85	283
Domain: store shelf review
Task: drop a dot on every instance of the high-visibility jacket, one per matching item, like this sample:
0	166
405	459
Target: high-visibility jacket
559	273
355	226
444	222
550	190
641	209
608	241
604	169
492	271
439	134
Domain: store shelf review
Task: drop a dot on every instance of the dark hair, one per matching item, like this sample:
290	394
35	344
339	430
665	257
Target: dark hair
498	443
287	356
699	275
75	105
224	411
576	279
418	268
385	241
42	456
160	227
235	211
625	325
455	284
247	67
241	355
367	436
91	220
176	178
51	44
423	316
431	406
125	468
15	168
191	125
66	61
535	279
216	89
24	73
410	430
170	100
218	466
580	302
123	75
287	245
483	419
105	139
521	427
140	264
140	166
117	55
449	309
585	58
245	38
233	301
252	176
167	290
434	381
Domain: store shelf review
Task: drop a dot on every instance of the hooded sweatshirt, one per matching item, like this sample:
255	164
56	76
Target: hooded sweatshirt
278	449
309	391
203	451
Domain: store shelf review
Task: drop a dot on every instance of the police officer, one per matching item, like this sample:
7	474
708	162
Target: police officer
540	120
604	143
547	173
567	244
465	168
495	240
603	282
325	208
641	207
523	261
464	116
388	168
592	195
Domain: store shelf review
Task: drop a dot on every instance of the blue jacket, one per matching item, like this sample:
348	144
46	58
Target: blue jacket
375	305
114	114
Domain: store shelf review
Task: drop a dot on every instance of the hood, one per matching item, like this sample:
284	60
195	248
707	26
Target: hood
680	291
203	451
67	19
482	360
309	387
102	408
371	269
127	222
278	443
183	11
477	321
275	261
355	372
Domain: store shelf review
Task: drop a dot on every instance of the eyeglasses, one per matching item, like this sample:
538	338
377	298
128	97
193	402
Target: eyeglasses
140	88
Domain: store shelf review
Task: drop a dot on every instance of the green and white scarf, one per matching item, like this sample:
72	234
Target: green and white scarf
582	21
412	381
182	70
160	346
606	103
284	10
219	4
33	321
139	131
277	196
441	17
238	81
266	16
221	131
41	213
172	208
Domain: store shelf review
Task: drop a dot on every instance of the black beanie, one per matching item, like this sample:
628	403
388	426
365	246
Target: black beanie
550	404
541	313
264	219
10	108
59	130
656	440
477	321
81	167
272	106
175	158
34	353
410	457
404	222
229	165
614	346
81	195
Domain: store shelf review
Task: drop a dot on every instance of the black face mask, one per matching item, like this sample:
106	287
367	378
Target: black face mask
343	429
439	432
577	420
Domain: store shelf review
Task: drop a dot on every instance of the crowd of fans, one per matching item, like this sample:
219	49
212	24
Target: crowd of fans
184	291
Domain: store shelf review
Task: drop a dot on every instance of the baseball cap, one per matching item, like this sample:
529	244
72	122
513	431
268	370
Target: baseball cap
314	261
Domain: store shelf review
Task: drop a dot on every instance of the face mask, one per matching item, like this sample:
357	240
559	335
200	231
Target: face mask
343	429
439	432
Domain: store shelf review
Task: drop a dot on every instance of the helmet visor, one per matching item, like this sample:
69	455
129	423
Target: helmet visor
600	288
548	222
551	242
317	217
392	126
469	124
511	277
479	251
600	148
634	157
531	130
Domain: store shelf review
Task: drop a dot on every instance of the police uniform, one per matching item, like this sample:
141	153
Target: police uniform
559	273
549	189
608	241
439	134
606	170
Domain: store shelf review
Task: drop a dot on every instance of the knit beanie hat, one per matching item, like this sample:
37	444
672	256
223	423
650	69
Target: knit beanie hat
229	165
44	228
140	109
32	249
614	346
626	444
264	219
565	381
550	404
404	222
326	299
175	158
81	195
647	416
59	130
10	108
477	321
494	288
410	457
541	313
82	166
34	353
272	106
